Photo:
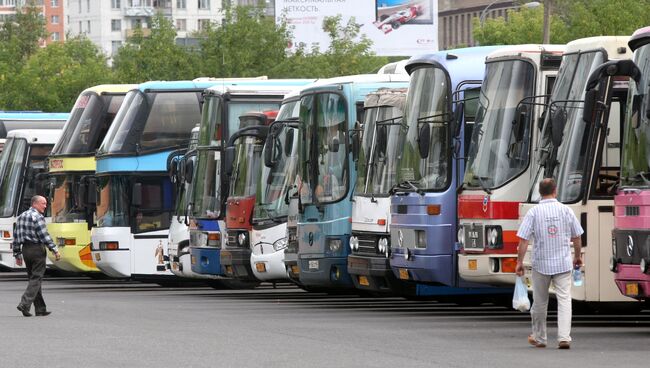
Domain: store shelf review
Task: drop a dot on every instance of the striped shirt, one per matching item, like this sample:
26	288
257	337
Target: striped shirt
552	225
31	228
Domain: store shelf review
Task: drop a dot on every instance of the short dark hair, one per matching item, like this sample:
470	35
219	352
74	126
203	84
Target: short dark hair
547	187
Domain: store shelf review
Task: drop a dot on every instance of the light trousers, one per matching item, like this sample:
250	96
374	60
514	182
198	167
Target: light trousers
562	285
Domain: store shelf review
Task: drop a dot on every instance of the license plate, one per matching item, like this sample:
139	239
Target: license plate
261	267
295	269
403	274
313	265
363	281
98	257
472	265
229	270
632	289
193	260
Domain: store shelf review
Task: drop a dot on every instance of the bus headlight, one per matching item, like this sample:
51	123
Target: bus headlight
644	265
420	239
382	244
242	239
494	237
354	243
334	245
461	236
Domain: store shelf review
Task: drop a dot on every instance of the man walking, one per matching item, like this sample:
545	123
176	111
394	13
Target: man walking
554	227
30	239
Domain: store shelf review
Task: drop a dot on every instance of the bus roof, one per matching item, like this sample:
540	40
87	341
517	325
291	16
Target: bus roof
110	88
261	87
359	78
175	85
639	38
42	136
611	44
33	116
514	50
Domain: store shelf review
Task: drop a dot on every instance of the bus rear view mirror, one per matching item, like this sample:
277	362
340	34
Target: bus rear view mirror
288	142
382	140
189	171
520	124
589	106
424	140
136	196
229	157
333	146
458	118
91	192
558	120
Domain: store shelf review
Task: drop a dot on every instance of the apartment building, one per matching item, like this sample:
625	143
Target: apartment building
52	11
108	23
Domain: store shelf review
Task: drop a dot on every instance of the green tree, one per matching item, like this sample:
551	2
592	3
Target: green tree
349	53
245	44
53	76
19	37
152	54
523	25
586	18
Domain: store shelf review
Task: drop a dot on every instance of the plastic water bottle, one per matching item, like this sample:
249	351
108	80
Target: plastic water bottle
577	276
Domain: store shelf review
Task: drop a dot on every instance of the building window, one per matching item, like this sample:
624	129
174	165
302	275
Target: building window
80	29
115	47
88	23
115	4
54	4
181	4
54	19
116	25
204	4
203	24
79	6
56	36
87	6
181	25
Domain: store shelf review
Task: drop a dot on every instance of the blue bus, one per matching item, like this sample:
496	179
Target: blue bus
329	110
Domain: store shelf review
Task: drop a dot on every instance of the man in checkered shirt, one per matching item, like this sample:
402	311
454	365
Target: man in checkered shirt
554	227
30	239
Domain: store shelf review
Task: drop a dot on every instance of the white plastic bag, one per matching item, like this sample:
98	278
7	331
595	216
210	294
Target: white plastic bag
520	299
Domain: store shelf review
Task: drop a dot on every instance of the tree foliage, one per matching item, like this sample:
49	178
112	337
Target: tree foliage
154	56
570	19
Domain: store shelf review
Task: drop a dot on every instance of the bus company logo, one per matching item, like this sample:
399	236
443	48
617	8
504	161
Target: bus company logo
630	246
311	239
486	200
56	164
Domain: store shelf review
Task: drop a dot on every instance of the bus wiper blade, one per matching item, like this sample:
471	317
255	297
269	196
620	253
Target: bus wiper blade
482	184
425	119
407	185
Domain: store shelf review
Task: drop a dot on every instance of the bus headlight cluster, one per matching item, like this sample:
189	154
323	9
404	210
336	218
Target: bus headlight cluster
354	243
644	265
280	244
494	237
334	245
383	246
242	239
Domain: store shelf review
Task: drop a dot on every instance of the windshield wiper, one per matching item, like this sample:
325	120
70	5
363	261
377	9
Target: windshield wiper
424	119
482	184
640	175
271	214
406	185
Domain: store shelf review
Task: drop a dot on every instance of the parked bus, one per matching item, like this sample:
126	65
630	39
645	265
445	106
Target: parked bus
375	148
10	120
518	81
23	173
72	159
178	242
630	245
243	164
134	194
584	158
429	169
221	110
329	109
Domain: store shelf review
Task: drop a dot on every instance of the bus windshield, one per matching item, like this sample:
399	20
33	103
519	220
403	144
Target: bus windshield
496	154
246	166
89	121
428	102
276	181
383	129
152	121
566	161
323	154
635	170
64	206
12	159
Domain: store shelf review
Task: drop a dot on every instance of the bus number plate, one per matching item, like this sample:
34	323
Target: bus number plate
313	265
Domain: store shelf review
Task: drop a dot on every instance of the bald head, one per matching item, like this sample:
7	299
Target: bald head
547	187
39	203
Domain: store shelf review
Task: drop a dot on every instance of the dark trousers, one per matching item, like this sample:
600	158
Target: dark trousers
34	257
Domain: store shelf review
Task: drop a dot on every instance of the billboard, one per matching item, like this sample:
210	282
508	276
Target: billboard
396	27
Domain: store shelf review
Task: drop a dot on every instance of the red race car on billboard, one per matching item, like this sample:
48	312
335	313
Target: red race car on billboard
395	20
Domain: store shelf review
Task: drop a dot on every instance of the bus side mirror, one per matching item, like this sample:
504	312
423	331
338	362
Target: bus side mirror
520	123
382	140
288	142
424	140
355	145
270	151
589	106
333	146
136	197
189	171
229	157
91	192
558	120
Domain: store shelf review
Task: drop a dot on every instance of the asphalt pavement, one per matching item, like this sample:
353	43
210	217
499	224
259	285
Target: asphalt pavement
108	323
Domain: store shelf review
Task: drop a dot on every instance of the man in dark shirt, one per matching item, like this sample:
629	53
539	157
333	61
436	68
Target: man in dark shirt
30	239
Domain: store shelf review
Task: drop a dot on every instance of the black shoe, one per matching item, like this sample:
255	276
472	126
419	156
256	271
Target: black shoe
24	310
43	314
